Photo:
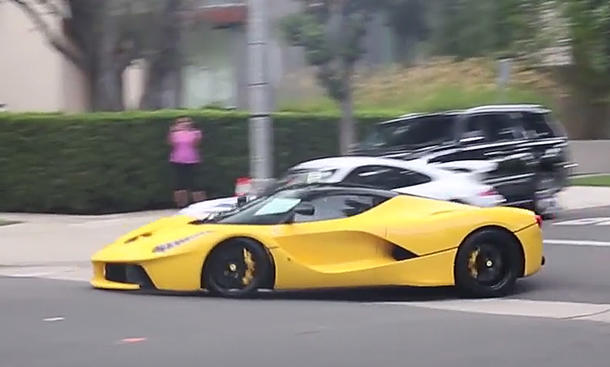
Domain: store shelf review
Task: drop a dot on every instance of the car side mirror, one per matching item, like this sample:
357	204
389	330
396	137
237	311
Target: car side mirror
306	209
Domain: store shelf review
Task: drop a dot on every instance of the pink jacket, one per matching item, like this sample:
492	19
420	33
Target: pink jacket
185	146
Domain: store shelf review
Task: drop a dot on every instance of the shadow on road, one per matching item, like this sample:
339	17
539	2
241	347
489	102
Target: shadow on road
386	294
367	295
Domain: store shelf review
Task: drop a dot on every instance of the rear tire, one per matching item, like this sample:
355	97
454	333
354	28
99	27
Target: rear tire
487	264
236	269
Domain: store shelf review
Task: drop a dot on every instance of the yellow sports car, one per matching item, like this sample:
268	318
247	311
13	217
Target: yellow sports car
326	236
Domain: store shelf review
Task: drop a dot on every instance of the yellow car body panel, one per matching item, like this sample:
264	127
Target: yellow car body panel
432	270
348	252
531	239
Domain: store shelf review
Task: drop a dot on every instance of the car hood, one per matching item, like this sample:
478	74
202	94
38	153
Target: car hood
183	233
139	243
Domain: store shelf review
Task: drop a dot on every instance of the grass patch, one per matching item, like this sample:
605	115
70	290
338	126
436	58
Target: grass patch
603	180
442	84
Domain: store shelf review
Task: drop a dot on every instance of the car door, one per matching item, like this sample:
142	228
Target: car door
334	241
500	137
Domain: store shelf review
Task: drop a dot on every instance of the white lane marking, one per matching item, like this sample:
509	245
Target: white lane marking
600	221
81	274
518	307
25	275
132	340
577	243
53	319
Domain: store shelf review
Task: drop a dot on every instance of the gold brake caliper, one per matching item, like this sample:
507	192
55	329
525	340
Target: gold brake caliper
472	263
250	266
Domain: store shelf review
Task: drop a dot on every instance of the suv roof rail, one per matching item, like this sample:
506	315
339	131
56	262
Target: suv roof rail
507	108
420	114
413	114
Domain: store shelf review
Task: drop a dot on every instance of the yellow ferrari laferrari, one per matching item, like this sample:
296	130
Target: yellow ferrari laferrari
326	236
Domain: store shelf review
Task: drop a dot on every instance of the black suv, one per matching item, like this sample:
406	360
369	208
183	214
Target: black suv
528	145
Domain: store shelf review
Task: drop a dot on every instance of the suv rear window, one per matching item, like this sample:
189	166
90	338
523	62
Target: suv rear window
494	127
412	133
539	125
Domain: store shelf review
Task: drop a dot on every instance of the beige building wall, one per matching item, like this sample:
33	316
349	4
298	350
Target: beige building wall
33	75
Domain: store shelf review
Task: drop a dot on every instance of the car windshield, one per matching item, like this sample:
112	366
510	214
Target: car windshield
273	209
411	133
299	176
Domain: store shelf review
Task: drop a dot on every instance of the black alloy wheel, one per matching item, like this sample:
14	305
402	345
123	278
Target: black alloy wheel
237	268
488	264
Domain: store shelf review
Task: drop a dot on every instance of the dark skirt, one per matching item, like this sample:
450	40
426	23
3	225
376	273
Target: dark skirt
184	176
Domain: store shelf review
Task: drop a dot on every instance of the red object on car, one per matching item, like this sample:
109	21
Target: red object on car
243	185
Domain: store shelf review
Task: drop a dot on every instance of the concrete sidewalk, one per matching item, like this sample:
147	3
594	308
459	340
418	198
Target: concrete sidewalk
583	197
68	240
63	239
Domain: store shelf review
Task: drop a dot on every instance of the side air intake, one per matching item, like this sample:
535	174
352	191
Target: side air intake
400	254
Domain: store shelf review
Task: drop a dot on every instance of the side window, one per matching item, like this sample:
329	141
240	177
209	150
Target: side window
339	206
475	127
373	176
405	178
537	126
385	177
429	131
495	127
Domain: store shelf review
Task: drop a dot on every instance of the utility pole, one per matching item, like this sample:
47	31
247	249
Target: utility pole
260	125
504	71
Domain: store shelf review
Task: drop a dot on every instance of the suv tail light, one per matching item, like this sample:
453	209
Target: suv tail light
539	220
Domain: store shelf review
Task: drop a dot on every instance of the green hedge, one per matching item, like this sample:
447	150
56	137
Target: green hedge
116	162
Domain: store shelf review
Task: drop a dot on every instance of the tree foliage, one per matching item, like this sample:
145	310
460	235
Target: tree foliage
331	33
102	38
409	21
471	28
589	22
589	36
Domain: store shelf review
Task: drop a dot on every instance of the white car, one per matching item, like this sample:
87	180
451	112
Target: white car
451	182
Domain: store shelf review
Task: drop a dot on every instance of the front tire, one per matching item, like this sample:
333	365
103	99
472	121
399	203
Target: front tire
487	264
237	268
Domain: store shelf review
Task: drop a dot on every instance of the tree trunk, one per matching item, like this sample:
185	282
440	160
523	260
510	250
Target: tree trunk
106	89
347	130
597	121
106	63
163	87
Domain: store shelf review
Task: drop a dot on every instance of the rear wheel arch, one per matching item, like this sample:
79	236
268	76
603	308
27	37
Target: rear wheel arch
268	283
506	232
489	237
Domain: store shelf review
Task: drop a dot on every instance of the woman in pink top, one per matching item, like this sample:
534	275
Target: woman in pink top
184	139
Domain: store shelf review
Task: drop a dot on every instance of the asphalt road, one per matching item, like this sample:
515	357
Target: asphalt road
66	323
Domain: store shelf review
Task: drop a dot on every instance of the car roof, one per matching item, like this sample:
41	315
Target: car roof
508	108
415	116
359	161
534	108
318	189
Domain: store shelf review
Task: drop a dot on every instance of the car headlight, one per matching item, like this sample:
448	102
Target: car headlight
170	245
